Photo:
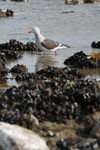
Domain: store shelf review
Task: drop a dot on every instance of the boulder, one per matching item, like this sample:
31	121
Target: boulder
78	2
13	137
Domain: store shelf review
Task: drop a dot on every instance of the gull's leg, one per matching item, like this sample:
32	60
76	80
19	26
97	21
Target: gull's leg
55	53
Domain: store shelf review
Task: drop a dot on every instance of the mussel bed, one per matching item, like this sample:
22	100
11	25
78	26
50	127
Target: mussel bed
56	95
81	60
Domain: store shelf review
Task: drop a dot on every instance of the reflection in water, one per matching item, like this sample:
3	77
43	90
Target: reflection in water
37	61
34	62
45	60
91	73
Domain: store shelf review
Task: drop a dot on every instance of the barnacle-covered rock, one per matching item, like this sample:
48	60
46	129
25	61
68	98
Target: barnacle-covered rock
68	144
26	76
15	45
51	72
19	69
95	44
7	54
6	13
55	95
78	2
3	69
81	60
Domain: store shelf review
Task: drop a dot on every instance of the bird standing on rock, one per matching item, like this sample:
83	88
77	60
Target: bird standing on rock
46	44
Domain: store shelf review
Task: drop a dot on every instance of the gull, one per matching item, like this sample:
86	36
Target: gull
45	44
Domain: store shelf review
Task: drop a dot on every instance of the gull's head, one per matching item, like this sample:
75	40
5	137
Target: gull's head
35	30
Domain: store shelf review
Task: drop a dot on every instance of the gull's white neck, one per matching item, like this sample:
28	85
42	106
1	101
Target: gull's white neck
39	37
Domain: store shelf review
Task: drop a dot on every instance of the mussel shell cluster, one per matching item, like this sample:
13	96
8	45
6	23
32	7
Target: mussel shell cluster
59	96
50	73
95	44
15	45
6	13
26	76
3	69
19	69
8	54
68	144
9	13
81	60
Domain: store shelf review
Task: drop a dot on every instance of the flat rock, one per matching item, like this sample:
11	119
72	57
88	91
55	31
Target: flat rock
13	137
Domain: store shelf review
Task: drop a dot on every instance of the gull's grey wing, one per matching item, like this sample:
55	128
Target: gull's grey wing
50	44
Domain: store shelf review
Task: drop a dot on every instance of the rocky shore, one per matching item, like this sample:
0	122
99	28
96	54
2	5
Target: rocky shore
53	108
5	55
57	95
11	50
19	69
59	104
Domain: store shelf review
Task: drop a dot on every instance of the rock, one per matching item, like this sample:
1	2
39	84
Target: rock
13	137
89	1
19	0
14	45
50	72
67	12
95	44
64	144
95	128
3	69
81	60
8	54
95	55
69	144
26	77
50	133
56	94
19	69
6	13
78	2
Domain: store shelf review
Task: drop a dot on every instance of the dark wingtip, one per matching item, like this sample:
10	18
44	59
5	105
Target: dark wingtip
66	45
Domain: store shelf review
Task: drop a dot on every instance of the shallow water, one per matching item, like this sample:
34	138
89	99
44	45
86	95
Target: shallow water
77	29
